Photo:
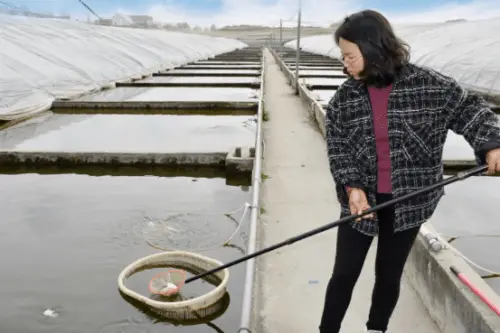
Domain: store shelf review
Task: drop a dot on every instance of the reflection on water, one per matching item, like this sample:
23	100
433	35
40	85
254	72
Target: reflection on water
243	180
200	79
131	133
323	96
323	71
115	94
208	322
198	94
173	94
457	148
323	81
67	237
216	71
317	68
320	72
225	63
217	66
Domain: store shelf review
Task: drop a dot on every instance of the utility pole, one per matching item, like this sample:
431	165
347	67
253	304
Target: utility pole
281	37
297	61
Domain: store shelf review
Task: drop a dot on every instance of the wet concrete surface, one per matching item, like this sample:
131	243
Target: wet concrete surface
69	236
470	209
173	94
130	133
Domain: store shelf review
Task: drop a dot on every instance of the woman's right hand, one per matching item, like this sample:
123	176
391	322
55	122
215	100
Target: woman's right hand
359	203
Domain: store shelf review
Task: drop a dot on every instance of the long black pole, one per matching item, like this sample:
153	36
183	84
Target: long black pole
460	176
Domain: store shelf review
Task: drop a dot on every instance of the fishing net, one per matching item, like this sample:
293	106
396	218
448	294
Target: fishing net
166	299
198	232
167	283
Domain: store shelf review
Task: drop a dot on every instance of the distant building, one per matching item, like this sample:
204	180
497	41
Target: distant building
106	22
142	21
122	20
135	21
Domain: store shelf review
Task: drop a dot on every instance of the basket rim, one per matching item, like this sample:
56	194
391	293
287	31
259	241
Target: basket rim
207	299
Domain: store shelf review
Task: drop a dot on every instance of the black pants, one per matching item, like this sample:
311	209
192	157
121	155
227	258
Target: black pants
352	247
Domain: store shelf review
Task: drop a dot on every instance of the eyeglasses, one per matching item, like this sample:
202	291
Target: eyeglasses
351	60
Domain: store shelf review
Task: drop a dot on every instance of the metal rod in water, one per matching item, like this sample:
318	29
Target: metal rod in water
461	176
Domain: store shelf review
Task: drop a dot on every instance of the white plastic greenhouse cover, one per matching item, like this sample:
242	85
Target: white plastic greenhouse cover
467	51
44	59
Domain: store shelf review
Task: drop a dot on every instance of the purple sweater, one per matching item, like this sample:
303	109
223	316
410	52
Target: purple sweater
379	98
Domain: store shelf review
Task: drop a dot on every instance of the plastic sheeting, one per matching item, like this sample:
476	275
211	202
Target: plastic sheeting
44	59
467	51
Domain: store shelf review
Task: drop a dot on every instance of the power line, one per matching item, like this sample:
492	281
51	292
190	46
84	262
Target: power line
90	9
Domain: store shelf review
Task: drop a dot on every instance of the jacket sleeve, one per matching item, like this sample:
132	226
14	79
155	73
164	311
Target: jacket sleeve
343	169
468	115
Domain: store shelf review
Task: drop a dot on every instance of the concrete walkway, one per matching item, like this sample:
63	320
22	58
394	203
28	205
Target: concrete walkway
299	195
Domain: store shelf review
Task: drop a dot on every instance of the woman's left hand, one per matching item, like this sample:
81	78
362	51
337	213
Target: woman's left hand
493	160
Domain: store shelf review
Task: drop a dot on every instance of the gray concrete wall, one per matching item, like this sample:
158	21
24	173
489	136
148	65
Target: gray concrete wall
106	158
86	106
451	305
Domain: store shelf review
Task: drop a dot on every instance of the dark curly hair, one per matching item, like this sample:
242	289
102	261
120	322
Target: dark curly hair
383	52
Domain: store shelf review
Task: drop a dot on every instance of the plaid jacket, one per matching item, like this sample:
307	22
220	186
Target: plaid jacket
423	106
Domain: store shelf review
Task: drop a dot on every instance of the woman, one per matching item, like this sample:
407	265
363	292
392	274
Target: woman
386	127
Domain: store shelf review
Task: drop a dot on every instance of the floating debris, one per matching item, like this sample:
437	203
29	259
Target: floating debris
50	313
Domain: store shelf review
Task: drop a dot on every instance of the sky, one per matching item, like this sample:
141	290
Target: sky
269	12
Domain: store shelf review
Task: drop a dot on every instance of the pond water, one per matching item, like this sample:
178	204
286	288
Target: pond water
130	133
67	238
173	94
201	79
